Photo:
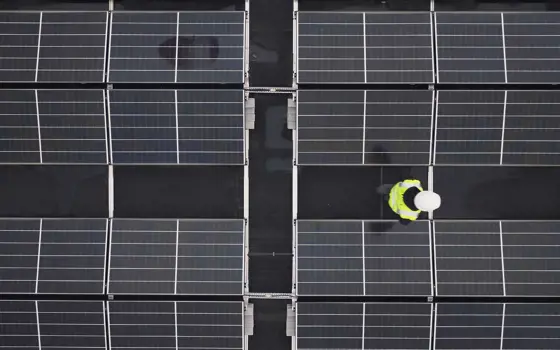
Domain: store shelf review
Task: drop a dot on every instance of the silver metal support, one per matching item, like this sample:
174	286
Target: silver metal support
295	45
249	319
291	114
290	321
249	122
246	44
250	113
111	189
279	296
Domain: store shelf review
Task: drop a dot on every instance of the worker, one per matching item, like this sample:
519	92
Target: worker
407	199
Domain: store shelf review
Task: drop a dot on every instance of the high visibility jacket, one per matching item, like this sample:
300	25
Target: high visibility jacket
396	199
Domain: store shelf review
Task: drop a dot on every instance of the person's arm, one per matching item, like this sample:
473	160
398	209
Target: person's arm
404	221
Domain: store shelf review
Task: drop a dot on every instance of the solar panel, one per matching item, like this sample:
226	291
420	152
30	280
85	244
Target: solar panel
53	46
468	326
470	48
357	258
52	325
468	258
357	326
364	127
532	47
53	126
531	326
495	258
469	127
48	256
531	135
354	47
177	126
531	260
180	47
175	325
497	127
497	326
177	257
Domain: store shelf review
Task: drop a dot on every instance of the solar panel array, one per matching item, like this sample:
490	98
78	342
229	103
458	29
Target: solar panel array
355	326
493	258
472	258
497	128
364	127
53	46
177	47
357	258
177	126
142	325
177	257
452	326
362	47
497	47
175	325
144	126
53	126
68	256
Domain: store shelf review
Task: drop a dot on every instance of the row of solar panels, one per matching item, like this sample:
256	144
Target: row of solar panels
376	127
423	326
144	256
377	48
442	258
122	126
112	325
139	47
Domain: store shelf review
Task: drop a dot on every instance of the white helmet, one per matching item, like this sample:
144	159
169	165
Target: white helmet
427	201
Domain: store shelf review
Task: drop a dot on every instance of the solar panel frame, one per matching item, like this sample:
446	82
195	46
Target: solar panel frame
182	117
469	147
58	126
499	76
172	71
362	74
171	265
520	132
61	70
84	243
157	324
356	326
34	324
350	127
468	326
520	265
366	262
524	68
482	273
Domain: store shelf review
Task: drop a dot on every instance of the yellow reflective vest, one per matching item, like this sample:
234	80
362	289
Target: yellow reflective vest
396	199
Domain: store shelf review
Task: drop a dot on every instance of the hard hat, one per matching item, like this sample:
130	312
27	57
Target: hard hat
427	201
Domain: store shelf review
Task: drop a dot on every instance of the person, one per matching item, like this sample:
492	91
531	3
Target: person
408	199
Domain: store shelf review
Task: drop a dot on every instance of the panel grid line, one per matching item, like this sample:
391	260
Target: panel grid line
503	128
39	255
502	258
364	255
38	127
38	325
39	46
176	258
365	51
364	129
177	127
363	323
503	322
504	49
177	53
